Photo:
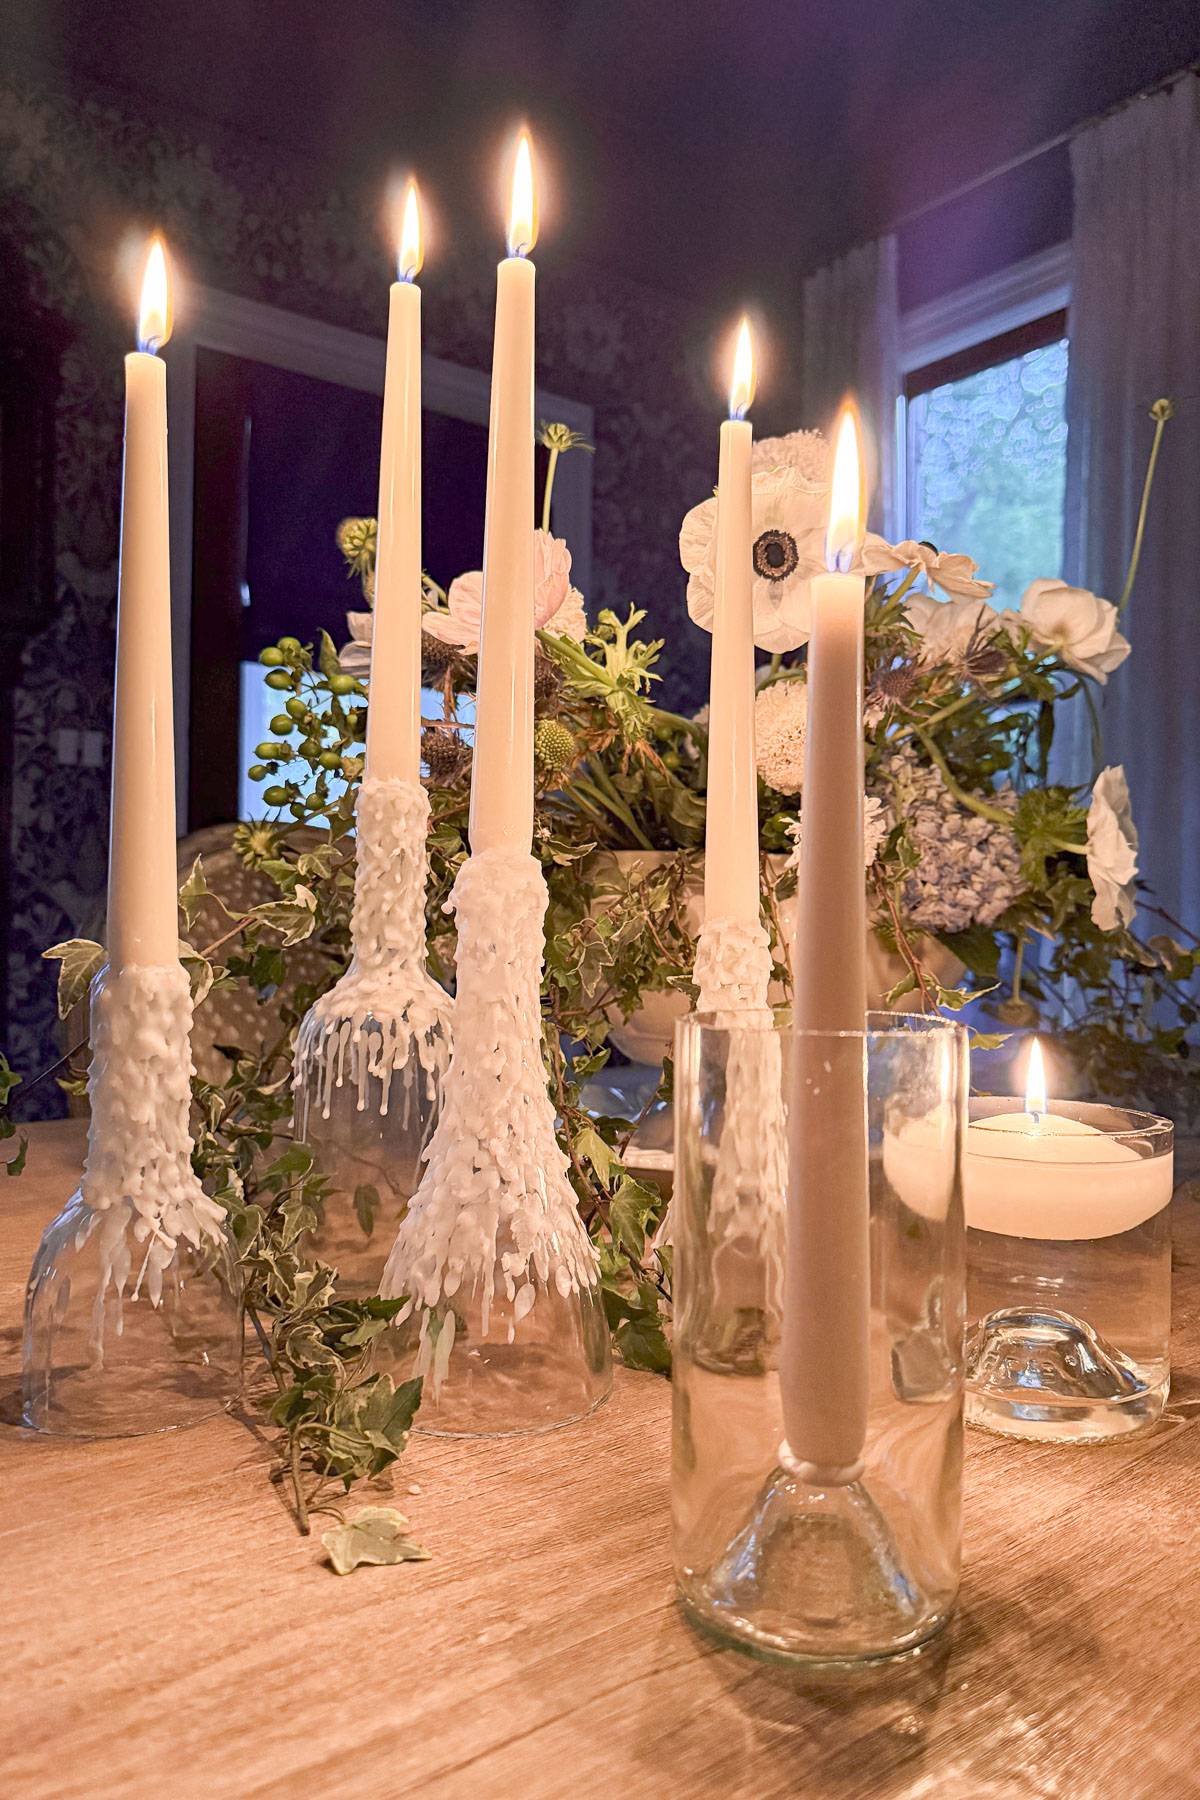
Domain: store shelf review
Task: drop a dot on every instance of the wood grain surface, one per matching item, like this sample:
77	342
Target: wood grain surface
166	1633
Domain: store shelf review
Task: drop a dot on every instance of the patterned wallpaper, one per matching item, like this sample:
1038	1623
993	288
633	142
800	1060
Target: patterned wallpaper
75	180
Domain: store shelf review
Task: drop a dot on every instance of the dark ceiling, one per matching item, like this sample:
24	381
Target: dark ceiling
714	149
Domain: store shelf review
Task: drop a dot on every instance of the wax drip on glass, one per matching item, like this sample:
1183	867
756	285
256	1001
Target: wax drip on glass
133	1315
495	1217
372	1052
385	1025
502	1311
732	969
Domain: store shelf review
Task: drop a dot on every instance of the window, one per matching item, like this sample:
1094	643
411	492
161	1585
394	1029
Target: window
982	434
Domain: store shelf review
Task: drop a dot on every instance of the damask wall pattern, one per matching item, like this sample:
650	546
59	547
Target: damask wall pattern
78	178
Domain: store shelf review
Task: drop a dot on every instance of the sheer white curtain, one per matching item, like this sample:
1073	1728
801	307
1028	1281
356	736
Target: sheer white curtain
1135	335
850	342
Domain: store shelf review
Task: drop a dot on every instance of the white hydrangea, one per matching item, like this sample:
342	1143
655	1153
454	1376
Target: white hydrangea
780	727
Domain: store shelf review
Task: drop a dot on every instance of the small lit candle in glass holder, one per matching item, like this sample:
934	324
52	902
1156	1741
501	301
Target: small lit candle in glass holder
1068	1266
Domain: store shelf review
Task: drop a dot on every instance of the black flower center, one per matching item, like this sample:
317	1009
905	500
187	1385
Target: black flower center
775	555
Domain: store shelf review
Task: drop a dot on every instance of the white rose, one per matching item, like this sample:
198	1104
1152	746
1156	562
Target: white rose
1080	626
1112	842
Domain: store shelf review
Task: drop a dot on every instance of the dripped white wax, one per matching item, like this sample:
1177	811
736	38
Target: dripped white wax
495	1210
138	1175
386	1012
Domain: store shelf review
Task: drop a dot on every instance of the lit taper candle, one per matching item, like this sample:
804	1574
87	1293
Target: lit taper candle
502	770
824	1367
731	831
394	715
142	882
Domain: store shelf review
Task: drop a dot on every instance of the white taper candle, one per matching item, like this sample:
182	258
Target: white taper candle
731	883
142	882
394	714
824	1368
502	770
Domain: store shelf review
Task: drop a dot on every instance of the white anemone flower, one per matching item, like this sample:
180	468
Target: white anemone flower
1077	624
953	574
949	629
1112	843
355	657
788	522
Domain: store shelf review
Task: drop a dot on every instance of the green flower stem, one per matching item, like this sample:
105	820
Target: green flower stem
1160	412
594	789
1018	966
551	466
972	802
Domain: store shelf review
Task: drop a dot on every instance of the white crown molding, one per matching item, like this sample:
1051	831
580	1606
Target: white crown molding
970	315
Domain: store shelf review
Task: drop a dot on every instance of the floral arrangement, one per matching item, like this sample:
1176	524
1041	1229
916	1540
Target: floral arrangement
974	855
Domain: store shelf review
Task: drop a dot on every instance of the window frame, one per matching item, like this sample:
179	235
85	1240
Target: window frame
1022	308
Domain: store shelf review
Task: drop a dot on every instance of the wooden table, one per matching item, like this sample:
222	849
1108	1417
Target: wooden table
167	1633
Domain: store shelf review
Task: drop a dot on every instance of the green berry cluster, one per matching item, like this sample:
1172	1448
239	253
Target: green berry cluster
320	710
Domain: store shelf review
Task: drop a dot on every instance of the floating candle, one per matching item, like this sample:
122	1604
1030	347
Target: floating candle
1054	1174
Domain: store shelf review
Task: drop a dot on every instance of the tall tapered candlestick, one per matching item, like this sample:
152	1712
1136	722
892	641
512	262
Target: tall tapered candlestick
142	882
394	716
731	833
502	774
824	1371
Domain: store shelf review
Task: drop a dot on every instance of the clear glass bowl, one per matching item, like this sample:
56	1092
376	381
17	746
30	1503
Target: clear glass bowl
1068	1270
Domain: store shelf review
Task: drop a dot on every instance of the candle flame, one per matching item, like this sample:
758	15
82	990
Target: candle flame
741	391
845	501
154	313
1035	1083
522	210
412	250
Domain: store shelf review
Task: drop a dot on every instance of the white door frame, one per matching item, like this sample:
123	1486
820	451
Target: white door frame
285	340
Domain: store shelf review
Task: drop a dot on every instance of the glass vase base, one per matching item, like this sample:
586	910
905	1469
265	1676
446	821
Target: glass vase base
815	1576
550	1368
106	1360
1049	1377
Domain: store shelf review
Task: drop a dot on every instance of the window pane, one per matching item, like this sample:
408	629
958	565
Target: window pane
987	468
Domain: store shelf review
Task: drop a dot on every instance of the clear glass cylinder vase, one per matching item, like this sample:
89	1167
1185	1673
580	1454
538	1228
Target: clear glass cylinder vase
765	1556
1068	1270
119	1343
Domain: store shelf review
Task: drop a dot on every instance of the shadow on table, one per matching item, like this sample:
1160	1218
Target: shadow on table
950	1718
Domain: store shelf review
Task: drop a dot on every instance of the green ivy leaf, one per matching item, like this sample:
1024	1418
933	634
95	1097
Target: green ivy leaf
192	893
641	1344
366	1206
80	961
376	1535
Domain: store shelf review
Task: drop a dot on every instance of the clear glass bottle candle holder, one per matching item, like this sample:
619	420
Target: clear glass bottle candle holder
764	1559
1068	1270
368	1124
115	1349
